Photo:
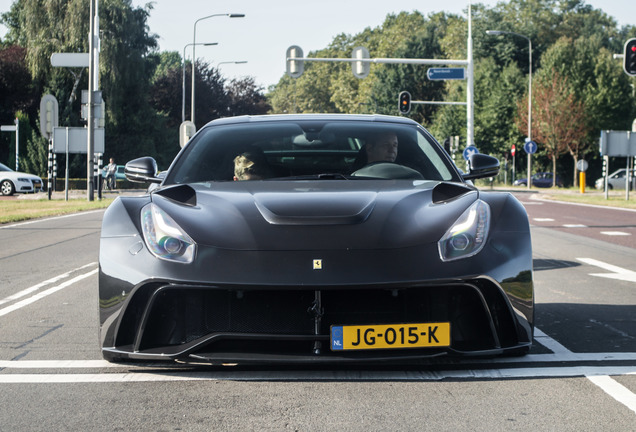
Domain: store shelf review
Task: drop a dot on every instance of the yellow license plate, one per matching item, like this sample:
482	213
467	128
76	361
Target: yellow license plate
390	336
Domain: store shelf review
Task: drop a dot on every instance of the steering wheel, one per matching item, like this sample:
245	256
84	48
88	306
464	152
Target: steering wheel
388	170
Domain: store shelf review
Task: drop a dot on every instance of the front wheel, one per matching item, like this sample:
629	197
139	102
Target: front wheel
7	188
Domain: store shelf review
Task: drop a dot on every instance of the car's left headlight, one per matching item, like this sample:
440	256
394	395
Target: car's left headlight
468	234
164	237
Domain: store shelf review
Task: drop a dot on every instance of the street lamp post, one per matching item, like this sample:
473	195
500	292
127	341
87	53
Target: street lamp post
231	62
499	32
194	43
183	89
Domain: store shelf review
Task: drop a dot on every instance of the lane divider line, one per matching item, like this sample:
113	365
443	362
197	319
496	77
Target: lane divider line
36	287
45	293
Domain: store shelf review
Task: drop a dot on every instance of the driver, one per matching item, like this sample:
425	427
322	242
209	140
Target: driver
382	148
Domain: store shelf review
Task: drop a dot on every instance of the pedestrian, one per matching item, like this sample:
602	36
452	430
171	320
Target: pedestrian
111	169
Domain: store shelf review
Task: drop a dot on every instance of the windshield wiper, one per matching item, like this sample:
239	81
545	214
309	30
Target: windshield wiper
324	176
333	176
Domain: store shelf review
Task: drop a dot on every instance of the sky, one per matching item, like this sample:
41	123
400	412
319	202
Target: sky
271	26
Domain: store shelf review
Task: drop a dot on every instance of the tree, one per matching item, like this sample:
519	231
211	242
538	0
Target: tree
558	118
496	92
16	93
245	97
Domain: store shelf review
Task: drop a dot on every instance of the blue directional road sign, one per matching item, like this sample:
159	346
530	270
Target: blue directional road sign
469	151
446	74
530	147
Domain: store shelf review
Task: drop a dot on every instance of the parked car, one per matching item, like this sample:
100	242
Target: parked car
542	179
283	239
616	180
119	174
18	182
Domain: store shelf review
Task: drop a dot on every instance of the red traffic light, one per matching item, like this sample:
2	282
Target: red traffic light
629	57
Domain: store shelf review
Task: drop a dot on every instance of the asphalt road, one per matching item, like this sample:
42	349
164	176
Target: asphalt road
580	375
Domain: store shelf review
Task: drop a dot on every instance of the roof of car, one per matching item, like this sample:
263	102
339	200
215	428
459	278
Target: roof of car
318	117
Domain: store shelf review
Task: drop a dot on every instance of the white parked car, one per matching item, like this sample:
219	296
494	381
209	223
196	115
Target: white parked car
18	182
616	180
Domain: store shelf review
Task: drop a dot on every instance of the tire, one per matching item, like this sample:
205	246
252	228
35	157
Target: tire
7	188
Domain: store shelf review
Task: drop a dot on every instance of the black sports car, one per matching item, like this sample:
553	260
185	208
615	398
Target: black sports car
314	238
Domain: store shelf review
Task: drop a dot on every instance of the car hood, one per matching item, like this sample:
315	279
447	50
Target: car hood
316	215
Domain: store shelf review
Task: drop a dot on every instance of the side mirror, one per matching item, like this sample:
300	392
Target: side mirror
480	166
142	170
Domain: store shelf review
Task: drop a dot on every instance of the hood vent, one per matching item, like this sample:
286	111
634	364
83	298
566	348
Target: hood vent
445	192
182	194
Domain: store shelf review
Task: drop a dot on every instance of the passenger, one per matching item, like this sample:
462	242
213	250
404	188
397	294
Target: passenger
250	166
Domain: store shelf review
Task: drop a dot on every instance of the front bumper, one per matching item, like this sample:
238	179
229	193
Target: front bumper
212	324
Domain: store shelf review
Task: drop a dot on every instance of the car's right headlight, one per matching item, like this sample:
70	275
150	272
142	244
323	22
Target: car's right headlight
467	236
164	237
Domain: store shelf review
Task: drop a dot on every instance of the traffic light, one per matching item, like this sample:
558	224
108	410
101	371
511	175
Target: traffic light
48	115
404	103
629	57
294	68
447	145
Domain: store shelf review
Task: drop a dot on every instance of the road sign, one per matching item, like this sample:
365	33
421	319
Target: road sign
530	147
70	60
469	151
582	165
618	143
446	74
77	138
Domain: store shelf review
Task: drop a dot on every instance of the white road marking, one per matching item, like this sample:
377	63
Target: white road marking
615	233
611	328
616	272
50	218
289	375
562	358
43	284
574	226
543	219
550	343
45	293
56	364
537	197
615	390
607	384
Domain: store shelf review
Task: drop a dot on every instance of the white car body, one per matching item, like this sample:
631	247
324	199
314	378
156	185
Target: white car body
18	182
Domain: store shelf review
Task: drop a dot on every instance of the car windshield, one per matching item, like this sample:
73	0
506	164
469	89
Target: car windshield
3	167
308	149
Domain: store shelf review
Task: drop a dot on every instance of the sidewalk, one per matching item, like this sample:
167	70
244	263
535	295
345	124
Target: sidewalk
81	194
